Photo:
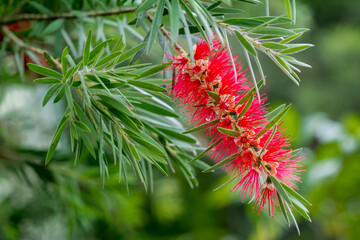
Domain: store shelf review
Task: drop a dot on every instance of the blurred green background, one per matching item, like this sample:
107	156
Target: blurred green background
71	200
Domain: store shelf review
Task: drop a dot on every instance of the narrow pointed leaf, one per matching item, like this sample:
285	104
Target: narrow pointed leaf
114	103
155	26
250	93
44	71
229	132
283	210
47	80
82	126
280	190
174	20
55	140
204	152
226	183
145	85
223	162
86	54
245	43
213	95
156	109
50	92
296	49
246	107
273	121
60	94
64	60
202	126
295	194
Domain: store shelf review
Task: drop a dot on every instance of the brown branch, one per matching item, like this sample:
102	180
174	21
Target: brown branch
23	45
44	17
165	33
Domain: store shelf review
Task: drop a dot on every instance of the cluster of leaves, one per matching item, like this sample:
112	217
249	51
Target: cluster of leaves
257	33
116	108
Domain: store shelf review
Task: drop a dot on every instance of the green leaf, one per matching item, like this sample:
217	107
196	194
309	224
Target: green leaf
301	209
156	109
44	71
295	194
153	70
114	103
53	26
82	126
202	126
250	93
47	80
145	85
125	120
134	152
213	95
41	8
274	31
280	189
245	43
69	96
55	140
243	22
226	183
88	143
84	119
145	5
291	38
268	141
131	52
296	48
60	94
246	107
64	60
274	45
148	154
226	160
214	5
108	58
204	152
155	26
50	92
174	20
227	10
198	25
288	8
257	2
148	145
256	21
283	210
98	48
293	218
86	54
273	121
275	111
229	132
177	135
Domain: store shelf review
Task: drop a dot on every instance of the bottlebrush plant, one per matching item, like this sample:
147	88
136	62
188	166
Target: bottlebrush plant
245	138
116	106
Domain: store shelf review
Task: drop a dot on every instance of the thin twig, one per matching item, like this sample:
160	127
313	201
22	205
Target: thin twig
165	33
23	45
31	16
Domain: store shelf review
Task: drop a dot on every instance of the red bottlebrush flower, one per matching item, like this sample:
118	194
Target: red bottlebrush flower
254	155
267	195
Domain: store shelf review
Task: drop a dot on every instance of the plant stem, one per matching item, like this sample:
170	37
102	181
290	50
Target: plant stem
44	17
23	45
